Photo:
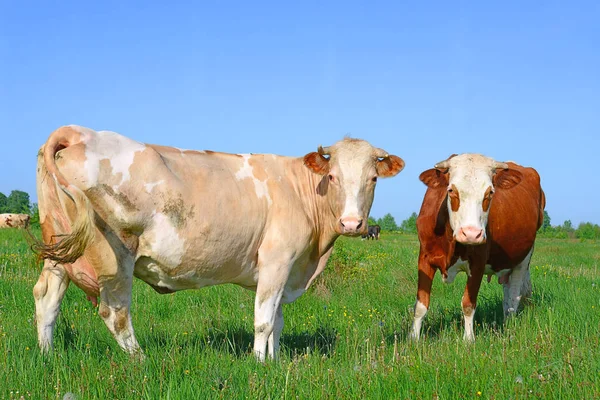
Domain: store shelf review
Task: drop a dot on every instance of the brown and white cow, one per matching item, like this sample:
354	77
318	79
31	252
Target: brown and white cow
481	217
14	220
183	219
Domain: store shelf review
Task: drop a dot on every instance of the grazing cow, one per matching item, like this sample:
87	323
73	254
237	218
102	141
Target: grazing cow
112	208
481	217
372	232
14	220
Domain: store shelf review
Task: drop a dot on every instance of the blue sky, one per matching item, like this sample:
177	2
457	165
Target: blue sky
512	80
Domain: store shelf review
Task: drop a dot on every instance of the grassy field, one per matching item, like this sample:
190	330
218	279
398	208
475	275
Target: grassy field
345	338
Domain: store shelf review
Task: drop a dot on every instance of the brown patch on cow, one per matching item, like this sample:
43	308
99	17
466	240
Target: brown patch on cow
487	199
454	198
258	169
121	319
104	311
468	310
317	163
100	189
389	166
175	209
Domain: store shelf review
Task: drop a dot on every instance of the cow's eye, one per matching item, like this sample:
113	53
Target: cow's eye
450	190
330	178
374	179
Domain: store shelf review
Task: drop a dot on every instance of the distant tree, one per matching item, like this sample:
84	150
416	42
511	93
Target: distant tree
409	225
3	203
587	230
18	202
568	226
387	223
546	224
35	215
371	221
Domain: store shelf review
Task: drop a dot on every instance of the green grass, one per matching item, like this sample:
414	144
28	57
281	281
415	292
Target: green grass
345	338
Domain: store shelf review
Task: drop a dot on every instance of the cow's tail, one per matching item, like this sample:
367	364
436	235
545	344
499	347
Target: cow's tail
67	248
542	207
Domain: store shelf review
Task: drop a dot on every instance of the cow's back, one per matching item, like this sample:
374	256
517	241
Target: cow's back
515	216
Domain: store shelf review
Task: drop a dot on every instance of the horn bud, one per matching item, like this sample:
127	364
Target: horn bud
442	165
380	153
499	165
323	150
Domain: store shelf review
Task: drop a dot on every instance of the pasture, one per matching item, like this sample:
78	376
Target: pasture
345	338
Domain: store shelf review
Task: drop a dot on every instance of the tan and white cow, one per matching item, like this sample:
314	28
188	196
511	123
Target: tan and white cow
182	219
14	220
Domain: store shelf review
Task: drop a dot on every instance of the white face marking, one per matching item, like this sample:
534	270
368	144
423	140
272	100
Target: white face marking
151	185
106	145
350	171
471	175
167	246
260	187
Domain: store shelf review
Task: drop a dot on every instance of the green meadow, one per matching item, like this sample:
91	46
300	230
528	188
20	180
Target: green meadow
346	338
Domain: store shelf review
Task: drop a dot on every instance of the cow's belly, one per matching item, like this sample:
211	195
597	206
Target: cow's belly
170	262
463	266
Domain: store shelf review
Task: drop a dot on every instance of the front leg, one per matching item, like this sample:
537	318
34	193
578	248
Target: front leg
426	274
469	299
268	320
276	334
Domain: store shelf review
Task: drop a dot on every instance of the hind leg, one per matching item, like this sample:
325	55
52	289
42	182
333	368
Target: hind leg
48	293
518	286
115	303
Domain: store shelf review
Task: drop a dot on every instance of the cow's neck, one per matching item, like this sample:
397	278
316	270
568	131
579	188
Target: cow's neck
306	184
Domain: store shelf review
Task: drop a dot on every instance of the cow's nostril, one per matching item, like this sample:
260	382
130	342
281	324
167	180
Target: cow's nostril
359	224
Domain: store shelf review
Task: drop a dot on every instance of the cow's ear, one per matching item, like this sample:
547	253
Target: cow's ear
434	178
389	166
507	178
317	163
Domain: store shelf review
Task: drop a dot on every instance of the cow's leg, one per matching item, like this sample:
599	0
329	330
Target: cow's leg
114	264
115	302
518	286
276	334
48	293
469	300
274	269
266	306
426	274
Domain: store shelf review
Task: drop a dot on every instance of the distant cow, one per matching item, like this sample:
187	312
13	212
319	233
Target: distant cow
372	232
112	208
14	220
478	216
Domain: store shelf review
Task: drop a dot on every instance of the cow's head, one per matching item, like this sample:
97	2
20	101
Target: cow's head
350	169
470	181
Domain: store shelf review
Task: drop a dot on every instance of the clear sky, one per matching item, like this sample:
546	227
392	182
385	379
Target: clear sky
514	80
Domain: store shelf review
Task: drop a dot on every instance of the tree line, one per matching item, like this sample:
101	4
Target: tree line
17	202
585	230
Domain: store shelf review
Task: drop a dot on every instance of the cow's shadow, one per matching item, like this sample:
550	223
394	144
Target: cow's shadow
489	316
239	342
